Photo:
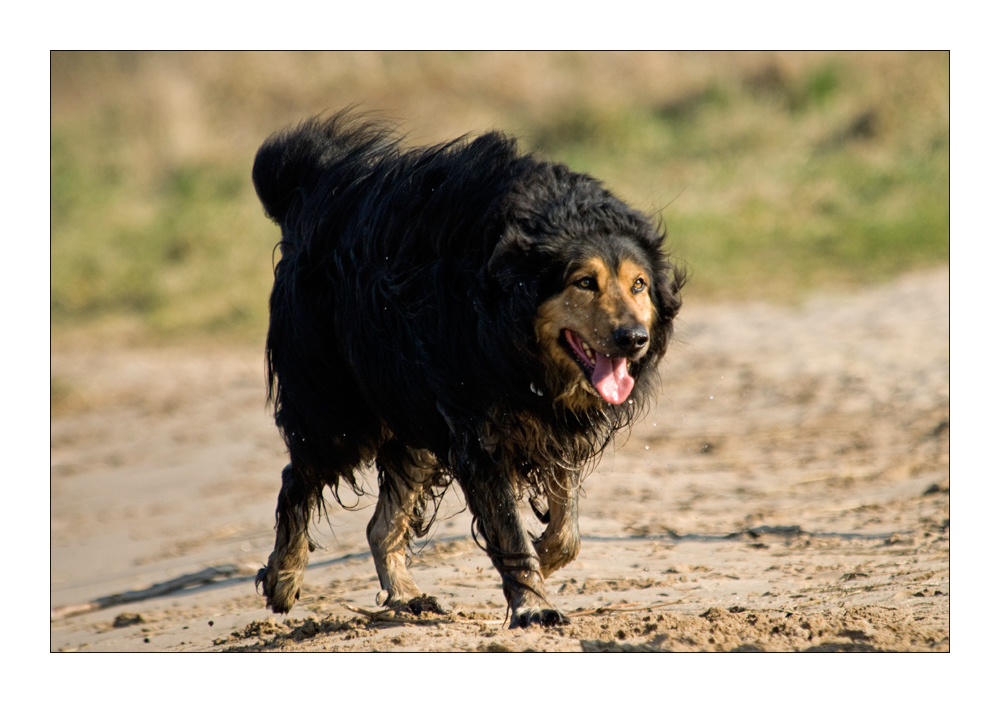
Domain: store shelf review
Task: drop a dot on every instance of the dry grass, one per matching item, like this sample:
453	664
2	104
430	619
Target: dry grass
774	173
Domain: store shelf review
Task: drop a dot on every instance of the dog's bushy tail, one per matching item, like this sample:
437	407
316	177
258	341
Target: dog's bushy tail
289	164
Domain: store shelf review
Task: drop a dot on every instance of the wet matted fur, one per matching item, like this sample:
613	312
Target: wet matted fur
462	312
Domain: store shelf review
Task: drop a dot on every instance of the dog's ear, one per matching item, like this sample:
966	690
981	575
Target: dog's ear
508	263
667	300
513	274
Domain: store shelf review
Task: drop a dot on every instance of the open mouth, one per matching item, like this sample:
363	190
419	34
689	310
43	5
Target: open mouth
608	374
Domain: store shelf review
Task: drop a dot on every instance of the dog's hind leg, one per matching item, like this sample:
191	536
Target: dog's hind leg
490	494
404	481
281	579
560	543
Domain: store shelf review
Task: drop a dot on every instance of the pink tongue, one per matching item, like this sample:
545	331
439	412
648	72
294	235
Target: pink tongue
611	379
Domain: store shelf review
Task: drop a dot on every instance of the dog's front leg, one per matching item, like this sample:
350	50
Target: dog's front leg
490	494
560	543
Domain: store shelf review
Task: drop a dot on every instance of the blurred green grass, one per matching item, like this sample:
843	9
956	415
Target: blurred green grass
774	174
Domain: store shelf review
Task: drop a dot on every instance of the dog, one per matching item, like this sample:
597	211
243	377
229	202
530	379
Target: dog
457	313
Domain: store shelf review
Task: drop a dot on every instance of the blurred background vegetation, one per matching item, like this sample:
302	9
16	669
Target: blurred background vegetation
774	173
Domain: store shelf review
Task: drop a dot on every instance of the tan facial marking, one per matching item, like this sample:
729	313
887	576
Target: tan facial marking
594	303
639	303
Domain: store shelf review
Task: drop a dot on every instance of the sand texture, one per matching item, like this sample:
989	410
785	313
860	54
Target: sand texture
788	492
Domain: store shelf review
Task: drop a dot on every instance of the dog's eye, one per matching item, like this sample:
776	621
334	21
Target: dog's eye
638	286
587	283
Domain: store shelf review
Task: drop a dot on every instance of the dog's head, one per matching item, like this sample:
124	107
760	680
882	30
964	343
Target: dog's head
604	293
606	318
593	333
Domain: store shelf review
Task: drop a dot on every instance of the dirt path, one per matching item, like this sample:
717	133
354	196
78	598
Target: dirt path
790	491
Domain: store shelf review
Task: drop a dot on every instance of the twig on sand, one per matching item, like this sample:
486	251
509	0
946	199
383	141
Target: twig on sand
628	607
385	616
160	589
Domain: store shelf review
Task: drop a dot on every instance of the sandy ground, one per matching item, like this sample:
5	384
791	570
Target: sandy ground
789	492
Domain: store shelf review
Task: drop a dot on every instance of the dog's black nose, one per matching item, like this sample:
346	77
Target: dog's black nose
631	338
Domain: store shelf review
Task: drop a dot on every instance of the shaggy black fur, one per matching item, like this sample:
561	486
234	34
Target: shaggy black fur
402	318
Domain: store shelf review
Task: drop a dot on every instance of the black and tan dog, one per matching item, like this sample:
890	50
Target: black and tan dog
460	312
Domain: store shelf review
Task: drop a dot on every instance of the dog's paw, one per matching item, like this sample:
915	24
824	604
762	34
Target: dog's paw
417	605
425	604
556	552
546	617
280	588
